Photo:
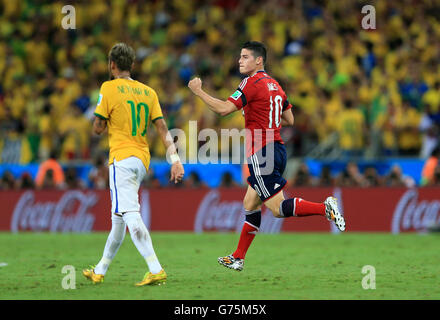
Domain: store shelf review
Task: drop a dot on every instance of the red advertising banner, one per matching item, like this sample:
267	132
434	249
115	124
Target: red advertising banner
201	210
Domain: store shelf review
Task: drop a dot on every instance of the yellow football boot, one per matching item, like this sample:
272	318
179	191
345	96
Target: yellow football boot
92	276
149	279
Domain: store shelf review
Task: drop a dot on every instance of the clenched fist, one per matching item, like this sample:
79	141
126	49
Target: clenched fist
195	85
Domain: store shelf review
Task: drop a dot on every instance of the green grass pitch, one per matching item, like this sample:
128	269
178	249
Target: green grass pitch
284	266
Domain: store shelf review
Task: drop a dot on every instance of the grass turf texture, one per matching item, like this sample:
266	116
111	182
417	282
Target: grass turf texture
278	267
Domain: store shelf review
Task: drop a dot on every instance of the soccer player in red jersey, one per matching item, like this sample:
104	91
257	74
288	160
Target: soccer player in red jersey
266	109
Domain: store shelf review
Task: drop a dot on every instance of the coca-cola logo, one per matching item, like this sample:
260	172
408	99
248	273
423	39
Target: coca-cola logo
214	214
68	214
412	214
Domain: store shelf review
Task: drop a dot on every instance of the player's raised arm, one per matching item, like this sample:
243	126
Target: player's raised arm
220	107
99	125
177	170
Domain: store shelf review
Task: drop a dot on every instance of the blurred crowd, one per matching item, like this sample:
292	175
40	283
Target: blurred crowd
51	175
377	90
352	177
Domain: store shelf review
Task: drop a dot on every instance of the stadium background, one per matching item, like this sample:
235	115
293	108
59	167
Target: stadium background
366	105
366	102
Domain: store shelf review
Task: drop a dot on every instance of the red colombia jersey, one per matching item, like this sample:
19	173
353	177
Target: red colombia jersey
263	101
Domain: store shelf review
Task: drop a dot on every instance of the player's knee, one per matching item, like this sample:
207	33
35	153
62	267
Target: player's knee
246	205
138	233
250	205
276	212
275	209
252	208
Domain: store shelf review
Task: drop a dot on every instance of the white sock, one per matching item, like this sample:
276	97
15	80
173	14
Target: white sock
114	241
142	240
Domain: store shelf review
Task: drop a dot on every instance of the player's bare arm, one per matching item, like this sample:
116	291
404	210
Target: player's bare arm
99	125
177	170
287	118
220	107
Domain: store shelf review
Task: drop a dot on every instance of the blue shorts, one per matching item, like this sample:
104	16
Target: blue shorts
266	168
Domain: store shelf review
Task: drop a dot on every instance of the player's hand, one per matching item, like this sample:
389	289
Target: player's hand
195	85
177	172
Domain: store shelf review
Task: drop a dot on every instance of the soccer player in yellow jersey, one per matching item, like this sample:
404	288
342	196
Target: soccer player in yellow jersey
127	107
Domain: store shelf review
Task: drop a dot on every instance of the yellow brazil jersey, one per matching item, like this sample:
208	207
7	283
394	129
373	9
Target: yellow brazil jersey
129	106
350	128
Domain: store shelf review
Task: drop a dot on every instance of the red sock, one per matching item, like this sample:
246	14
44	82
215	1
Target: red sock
305	208
247	235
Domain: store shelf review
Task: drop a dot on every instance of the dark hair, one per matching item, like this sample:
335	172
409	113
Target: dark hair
123	55
258	49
